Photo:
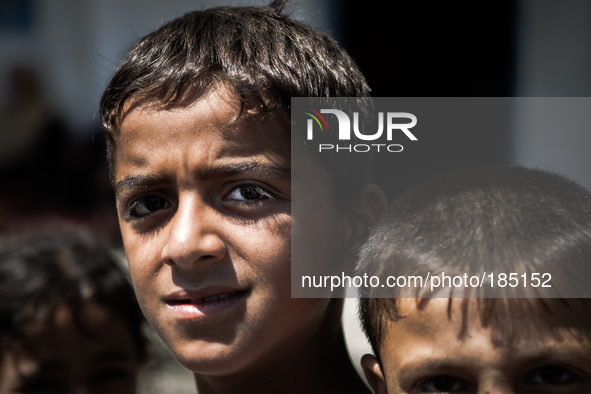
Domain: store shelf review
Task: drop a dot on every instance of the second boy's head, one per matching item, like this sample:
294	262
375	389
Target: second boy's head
501	221
469	346
197	119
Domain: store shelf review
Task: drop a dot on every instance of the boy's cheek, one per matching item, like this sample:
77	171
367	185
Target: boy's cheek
144	261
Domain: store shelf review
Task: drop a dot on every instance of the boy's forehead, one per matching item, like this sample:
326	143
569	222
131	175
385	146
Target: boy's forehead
214	121
437	336
427	317
425	335
218	104
459	319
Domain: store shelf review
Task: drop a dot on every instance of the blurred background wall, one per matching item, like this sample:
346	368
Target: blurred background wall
74	45
554	60
501	48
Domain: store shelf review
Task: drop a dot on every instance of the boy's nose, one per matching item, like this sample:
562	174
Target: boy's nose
193	236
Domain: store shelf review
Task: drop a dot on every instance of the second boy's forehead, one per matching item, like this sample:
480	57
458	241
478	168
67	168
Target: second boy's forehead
441	334
428	318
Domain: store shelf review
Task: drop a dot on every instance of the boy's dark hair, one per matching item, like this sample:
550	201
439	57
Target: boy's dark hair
496	220
262	55
44	270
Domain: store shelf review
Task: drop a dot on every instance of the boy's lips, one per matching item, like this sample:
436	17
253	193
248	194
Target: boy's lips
205	295
196	304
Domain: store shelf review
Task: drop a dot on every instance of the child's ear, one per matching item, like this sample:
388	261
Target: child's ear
367	212
373	373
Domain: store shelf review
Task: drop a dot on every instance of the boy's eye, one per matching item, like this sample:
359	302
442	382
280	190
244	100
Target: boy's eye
552	375
147	205
249	193
442	384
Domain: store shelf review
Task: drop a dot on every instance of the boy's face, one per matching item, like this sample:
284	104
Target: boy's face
423	353
204	204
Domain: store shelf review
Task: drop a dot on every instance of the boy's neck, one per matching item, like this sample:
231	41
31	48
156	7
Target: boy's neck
318	363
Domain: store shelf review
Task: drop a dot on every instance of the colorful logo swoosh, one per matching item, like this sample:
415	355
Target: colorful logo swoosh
315	117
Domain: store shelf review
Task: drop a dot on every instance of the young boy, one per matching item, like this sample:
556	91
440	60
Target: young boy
198	127
491	220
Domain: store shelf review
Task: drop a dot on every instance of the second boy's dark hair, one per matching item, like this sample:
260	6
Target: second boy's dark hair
499	220
264	56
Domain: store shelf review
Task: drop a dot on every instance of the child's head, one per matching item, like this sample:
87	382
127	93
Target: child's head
260	56
504	220
68	317
199	138
442	345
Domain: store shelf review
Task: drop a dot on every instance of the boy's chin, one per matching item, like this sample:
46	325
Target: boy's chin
214	359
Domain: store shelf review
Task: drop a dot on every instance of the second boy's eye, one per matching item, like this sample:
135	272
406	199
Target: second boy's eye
249	193
442	384
552	375
147	205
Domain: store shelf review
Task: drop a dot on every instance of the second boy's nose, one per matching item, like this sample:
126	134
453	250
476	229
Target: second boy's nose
193	235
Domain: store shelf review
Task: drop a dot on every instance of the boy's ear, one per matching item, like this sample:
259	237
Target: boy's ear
373	373
367	212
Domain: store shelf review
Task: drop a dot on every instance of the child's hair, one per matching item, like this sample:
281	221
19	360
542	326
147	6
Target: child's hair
262	55
42	271
496	220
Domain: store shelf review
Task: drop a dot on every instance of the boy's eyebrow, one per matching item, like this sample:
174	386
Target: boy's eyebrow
135	181
213	172
210	172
